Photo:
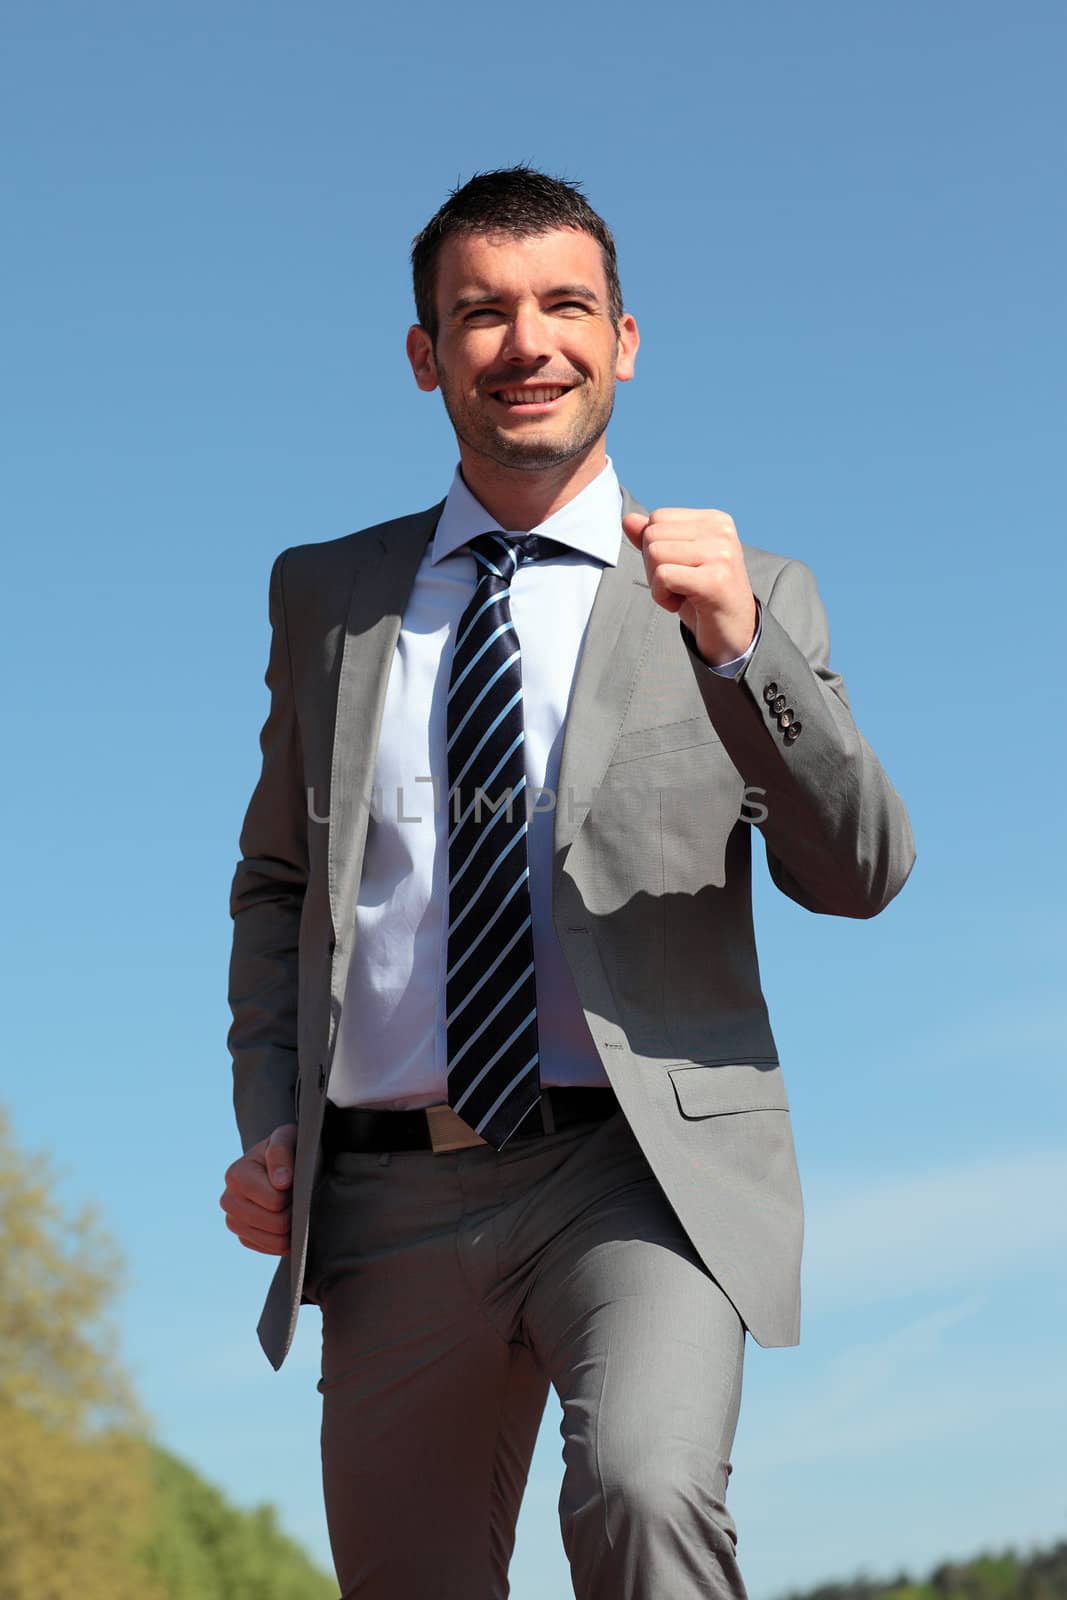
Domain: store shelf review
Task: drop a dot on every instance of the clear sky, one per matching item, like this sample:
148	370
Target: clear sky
841	229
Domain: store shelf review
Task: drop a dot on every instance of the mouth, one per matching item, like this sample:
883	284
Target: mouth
531	397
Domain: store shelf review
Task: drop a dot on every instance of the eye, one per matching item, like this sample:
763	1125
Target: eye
570	305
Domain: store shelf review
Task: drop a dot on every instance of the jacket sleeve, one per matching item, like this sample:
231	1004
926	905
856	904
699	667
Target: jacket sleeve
266	900
837	833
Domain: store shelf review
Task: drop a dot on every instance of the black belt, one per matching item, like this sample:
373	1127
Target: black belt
438	1128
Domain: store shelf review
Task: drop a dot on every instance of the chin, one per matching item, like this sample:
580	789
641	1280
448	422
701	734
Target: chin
536	456
540	450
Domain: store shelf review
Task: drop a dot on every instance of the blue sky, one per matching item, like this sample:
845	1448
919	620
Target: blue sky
841	230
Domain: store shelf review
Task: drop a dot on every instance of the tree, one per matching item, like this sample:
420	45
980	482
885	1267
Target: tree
76	1493
1042	1576
203	1548
89	1508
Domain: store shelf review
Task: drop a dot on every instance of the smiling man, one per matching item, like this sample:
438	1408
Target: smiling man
509	1098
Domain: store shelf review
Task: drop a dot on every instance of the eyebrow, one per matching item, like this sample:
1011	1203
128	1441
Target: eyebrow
562	291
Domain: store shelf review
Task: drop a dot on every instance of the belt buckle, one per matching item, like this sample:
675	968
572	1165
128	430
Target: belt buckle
448	1131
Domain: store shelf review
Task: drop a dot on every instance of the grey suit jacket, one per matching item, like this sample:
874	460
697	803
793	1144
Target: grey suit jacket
665	770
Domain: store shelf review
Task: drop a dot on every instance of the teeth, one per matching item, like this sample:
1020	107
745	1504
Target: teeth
530	397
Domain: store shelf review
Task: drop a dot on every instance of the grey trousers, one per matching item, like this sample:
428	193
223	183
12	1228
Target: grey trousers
454	1289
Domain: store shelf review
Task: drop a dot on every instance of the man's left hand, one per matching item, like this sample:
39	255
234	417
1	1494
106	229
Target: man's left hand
695	568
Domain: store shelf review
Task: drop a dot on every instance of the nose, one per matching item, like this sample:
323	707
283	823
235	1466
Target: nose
527	338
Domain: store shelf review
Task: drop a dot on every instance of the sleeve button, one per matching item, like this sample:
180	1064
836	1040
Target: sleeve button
769	691
792	733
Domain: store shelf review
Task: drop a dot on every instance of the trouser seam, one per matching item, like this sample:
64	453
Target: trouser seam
596	1455
477	1298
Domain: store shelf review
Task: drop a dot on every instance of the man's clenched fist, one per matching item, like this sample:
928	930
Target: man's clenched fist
257	1199
695	568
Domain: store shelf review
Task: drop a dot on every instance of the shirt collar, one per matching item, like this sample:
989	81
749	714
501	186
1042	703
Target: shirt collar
591	523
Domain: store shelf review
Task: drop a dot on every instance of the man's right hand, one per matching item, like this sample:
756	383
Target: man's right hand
257	1199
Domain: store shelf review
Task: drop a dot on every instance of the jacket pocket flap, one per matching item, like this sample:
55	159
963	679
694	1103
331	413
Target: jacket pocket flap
707	1090
665	737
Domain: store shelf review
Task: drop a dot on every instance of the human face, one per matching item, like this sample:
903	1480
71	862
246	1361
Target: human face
526	356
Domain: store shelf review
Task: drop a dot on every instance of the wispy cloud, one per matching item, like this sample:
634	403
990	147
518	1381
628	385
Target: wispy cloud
922	1382
943	1229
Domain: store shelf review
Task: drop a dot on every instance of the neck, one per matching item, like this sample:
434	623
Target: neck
520	500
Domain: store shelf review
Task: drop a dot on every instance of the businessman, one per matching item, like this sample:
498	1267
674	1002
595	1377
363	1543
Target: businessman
506	1086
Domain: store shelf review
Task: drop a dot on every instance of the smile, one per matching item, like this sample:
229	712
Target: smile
541	396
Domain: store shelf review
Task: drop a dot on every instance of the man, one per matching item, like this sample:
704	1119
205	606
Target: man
505	1082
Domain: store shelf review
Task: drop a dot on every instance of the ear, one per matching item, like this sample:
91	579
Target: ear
629	339
420	354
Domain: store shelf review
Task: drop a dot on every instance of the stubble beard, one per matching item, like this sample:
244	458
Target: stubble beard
479	433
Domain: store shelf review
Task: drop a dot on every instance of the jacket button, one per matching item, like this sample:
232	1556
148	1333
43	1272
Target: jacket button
785	717
778	704
769	692
792	733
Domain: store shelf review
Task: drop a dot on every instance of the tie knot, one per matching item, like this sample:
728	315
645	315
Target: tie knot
500	554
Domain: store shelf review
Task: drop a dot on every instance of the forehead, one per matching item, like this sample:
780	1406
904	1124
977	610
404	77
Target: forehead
493	263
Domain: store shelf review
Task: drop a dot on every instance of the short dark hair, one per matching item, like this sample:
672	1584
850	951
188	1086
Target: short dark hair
515	201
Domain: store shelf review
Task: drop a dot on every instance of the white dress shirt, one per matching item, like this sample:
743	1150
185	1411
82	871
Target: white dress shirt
391	1048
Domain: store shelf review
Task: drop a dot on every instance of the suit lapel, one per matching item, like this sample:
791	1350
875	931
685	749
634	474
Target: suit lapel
616	639
381	583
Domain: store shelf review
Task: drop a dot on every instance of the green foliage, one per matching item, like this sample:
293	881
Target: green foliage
58	1272
88	1509
1042	1576
71	1512
75	1491
203	1548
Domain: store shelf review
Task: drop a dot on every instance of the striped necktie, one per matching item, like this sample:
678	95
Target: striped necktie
490	995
